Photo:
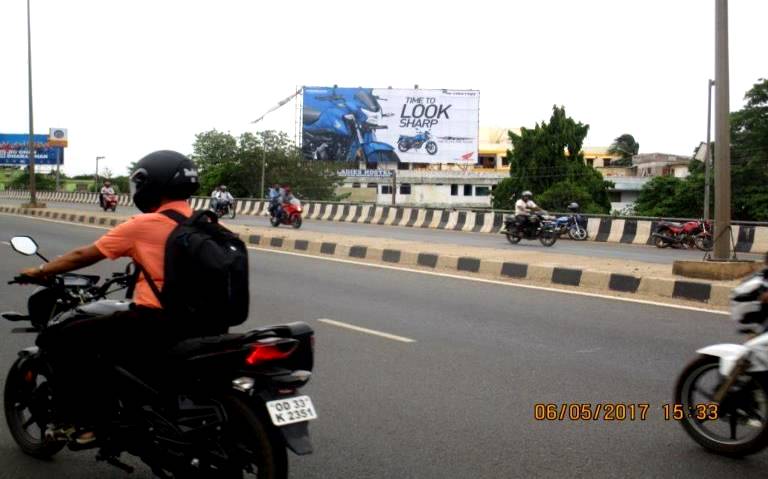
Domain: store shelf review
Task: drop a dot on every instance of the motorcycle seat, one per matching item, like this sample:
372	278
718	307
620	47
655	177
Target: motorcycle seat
311	115
202	345
673	224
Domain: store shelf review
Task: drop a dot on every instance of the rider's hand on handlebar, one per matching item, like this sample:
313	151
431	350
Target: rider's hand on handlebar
34	274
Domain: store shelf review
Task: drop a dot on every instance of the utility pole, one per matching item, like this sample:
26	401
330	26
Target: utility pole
722	246
32	189
707	153
263	163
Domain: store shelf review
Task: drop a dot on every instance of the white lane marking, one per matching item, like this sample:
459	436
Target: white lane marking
445	275
366	330
502	283
70	223
5	243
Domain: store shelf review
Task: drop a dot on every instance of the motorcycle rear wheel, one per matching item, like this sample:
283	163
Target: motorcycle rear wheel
660	243
254	442
296	222
402	146
729	414
274	221
20	393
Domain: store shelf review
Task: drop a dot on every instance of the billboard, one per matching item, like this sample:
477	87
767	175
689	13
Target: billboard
14	150
386	125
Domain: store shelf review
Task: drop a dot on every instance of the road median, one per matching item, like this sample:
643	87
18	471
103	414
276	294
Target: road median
519	265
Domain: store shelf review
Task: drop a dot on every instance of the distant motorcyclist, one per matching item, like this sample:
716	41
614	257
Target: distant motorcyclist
274	198
286	197
225	197
106	189
215	195
524	208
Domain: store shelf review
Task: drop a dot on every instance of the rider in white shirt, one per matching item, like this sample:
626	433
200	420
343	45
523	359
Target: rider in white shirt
524	207
106	189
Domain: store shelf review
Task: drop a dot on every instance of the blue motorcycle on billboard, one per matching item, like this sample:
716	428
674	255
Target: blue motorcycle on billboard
422	138
340	124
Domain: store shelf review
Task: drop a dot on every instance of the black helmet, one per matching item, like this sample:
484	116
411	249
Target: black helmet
573	206
162	174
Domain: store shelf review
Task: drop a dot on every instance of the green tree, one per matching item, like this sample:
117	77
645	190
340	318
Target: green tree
749	170
237	163
626	147
548	161
42	182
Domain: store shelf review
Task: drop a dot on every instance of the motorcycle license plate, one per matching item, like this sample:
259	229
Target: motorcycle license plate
290	410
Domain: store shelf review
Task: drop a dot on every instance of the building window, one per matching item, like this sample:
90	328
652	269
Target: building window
372	185
355	185
386	189
606	162
467	190
482	191
614	196
405	189
454	190
591	162
505	160
486	161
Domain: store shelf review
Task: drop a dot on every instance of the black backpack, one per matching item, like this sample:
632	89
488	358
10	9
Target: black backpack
205	274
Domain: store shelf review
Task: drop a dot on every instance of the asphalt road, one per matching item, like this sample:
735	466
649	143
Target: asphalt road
648	254
459	401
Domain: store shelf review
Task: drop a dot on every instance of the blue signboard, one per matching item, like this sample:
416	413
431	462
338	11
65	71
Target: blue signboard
14	150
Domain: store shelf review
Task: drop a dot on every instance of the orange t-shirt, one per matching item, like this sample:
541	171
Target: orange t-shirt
143	238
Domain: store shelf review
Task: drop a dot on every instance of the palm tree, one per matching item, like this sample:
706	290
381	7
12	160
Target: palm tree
626	147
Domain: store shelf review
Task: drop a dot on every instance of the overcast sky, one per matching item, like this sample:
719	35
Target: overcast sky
127	78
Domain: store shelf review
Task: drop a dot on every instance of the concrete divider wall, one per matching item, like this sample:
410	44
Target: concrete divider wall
748	238
669	289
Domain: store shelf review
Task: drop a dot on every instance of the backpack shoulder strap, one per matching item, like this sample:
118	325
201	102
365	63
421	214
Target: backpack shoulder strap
174	215
148	278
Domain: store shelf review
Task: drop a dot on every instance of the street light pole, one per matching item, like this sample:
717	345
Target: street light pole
263	162
722	136
32	189
707	155
97	169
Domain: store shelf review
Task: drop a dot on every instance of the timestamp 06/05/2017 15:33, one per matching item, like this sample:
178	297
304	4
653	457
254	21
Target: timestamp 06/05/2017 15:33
610	411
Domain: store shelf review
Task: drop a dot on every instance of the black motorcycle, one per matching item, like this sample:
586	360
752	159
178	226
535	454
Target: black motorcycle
539	226
225	208
223	406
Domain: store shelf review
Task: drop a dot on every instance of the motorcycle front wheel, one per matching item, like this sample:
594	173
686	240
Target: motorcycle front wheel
27	390
548	237
431	147
704	243
577	233
738	426
232	212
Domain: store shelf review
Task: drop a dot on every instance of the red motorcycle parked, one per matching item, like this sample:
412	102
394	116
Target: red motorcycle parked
688	235
109	202
290	214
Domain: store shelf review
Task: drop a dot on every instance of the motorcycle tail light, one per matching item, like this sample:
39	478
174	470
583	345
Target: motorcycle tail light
270	349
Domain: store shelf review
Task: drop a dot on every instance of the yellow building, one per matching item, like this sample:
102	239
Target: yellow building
494	143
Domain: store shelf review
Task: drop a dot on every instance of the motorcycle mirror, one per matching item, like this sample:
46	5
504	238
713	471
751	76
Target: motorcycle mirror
24	245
